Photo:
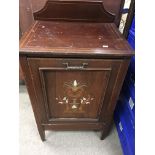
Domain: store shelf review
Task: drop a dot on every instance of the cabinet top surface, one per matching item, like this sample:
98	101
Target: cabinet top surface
71	38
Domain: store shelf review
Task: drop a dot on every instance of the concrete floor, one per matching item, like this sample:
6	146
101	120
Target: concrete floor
61	142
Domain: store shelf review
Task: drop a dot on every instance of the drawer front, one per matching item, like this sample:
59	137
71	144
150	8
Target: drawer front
72	88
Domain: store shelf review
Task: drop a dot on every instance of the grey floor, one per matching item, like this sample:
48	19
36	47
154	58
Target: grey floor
61	142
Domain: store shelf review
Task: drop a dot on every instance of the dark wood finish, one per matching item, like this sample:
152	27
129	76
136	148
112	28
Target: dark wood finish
25	21
32	93
74	11
96	77
111	6
74	39
25	15
74	72
74	126
28	7
21	76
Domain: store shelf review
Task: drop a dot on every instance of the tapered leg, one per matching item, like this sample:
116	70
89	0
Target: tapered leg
41	133
105	131
103	135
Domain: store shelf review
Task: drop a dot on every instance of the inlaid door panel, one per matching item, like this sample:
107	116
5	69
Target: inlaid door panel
72	88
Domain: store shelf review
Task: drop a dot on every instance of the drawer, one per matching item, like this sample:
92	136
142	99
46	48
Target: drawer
73	88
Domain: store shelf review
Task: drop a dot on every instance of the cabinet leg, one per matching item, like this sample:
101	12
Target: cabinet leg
105	132
103	135
41	133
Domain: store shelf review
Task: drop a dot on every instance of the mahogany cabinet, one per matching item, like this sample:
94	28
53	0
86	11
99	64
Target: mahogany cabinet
74	66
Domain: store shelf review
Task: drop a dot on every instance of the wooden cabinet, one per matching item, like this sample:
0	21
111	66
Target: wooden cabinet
28	7
74	71
72	88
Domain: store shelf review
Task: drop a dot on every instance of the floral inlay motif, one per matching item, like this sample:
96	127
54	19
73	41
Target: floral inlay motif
75	96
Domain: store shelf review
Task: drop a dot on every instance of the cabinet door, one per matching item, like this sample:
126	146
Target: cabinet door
72	88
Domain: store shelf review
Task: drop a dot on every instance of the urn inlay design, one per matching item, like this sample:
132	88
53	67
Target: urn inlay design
75	96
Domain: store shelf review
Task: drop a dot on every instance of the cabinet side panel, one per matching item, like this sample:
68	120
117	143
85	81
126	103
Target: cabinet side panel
29	83
118	85
107	112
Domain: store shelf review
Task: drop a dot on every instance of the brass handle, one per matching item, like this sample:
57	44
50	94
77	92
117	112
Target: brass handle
75	67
